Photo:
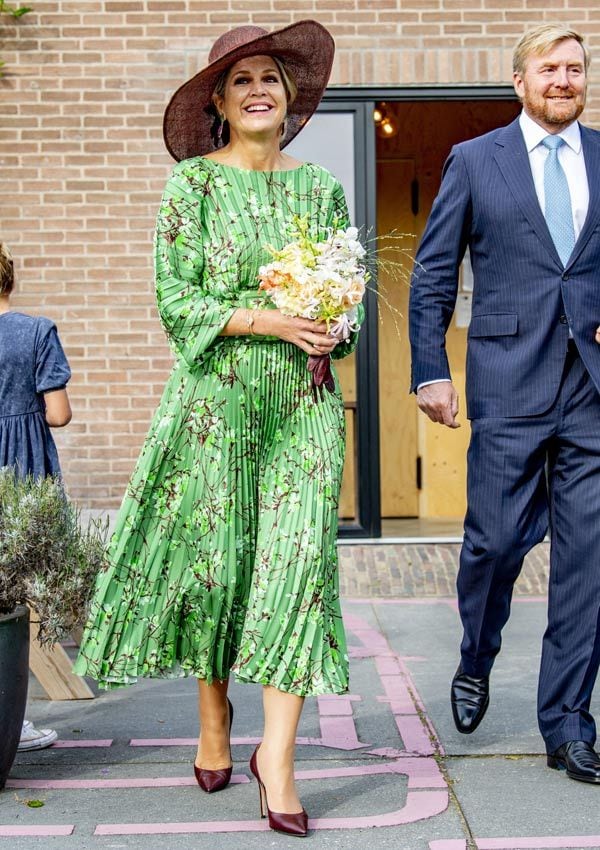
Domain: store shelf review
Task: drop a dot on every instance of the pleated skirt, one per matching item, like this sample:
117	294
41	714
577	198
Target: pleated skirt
224	554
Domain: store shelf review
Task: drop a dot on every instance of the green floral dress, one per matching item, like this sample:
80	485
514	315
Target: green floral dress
224	553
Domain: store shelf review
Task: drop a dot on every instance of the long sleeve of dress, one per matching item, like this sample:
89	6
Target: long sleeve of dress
339	218
191	317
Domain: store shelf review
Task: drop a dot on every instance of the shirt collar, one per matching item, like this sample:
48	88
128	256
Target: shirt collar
533	133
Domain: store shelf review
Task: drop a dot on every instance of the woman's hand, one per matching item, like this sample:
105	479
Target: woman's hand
312	337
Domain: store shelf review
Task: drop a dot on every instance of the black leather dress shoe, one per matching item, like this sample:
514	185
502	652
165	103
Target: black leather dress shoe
579	759
470	698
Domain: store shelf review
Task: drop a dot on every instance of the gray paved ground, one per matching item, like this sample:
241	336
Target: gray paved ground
383	766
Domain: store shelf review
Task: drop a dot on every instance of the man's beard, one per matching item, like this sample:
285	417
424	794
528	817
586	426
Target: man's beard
548	113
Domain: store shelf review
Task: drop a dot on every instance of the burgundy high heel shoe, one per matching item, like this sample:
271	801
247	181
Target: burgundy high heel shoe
294	823
215	780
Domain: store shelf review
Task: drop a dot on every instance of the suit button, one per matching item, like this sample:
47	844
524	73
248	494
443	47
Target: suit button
565	276
563	320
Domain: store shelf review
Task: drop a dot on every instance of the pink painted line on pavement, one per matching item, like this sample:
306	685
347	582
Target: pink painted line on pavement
571	841
339	733
388	665
68	744
421	772
127	782
430	600
388	753
414	735
366	634
363	652
192	742
432	738
183	828
337	704
397	695
338	729
40	830
391	753
405	703
529	843
419	805
404	600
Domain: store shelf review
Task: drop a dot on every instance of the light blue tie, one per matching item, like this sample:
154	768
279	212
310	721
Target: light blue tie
558	211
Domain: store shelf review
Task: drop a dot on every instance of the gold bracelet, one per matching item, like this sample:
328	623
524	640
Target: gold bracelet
250	321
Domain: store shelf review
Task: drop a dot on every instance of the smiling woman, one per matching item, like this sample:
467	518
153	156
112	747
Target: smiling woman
260	81
224	556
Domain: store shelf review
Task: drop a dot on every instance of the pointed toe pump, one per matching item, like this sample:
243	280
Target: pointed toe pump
290	823
215	780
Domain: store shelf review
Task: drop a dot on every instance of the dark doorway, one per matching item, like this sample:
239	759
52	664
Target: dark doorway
422	467
394	463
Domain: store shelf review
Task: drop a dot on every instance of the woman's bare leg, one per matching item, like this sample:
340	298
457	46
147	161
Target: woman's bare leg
275	756
213	709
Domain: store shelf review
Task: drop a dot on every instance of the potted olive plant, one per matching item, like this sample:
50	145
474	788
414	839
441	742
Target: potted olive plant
48	563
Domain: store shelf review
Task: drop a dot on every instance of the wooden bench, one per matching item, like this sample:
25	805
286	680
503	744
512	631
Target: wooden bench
52	669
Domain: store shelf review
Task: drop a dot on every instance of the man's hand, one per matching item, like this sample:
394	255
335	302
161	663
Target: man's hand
597	337
440	402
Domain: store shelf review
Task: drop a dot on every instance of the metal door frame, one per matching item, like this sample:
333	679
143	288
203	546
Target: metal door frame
361	100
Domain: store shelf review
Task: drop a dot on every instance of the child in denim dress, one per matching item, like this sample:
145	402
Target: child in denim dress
33	375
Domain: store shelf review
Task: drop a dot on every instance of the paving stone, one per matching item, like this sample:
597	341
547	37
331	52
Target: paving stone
412	570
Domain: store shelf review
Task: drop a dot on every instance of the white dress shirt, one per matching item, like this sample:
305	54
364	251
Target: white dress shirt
570	156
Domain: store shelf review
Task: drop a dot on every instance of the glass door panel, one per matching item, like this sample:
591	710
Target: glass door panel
328	140
338	138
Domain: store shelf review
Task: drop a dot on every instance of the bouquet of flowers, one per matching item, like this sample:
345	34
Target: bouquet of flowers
320	280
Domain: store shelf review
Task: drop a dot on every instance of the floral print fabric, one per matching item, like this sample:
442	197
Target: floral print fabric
224	553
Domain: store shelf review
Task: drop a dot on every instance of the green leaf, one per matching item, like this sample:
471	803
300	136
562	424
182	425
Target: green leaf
35	804
18	13
47	557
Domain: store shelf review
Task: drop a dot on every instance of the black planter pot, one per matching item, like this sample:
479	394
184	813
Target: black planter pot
14	677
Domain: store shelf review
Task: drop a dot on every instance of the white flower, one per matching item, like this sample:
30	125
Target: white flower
318	280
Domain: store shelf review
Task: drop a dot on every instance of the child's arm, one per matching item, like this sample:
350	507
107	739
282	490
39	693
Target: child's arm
52	374
58	408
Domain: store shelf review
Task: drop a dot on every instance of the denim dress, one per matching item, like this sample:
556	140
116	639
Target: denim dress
32	362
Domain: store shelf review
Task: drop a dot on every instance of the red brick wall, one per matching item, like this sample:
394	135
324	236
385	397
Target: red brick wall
83	165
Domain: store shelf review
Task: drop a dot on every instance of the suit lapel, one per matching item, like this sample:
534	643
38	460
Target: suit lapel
591	154
513	161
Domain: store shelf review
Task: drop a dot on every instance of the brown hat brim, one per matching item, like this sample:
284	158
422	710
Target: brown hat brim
306	48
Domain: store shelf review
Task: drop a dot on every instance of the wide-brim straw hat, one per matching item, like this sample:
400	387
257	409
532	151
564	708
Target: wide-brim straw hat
306	48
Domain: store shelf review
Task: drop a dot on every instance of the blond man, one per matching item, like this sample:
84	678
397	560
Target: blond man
525	200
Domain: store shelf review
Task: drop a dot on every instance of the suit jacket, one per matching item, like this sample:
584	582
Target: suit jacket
523	298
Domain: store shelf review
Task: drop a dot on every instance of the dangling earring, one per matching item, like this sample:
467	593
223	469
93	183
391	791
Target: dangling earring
222	120
284	127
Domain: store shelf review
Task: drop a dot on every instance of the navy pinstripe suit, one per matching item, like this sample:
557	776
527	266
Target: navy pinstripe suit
534	406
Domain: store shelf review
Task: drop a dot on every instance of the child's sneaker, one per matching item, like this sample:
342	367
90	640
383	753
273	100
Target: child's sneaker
35	739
